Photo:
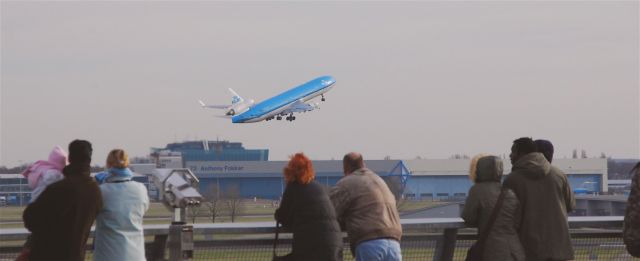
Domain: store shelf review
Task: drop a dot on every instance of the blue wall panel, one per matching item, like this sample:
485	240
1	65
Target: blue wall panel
446	186
590	182
263	187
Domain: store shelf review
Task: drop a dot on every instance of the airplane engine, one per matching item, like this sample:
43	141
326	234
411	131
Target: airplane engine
240	107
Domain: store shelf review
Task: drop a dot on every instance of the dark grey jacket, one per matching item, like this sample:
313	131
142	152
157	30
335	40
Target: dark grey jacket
307	212
502	242
545	199
631	232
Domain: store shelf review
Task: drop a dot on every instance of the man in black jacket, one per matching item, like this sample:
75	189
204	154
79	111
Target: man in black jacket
60	219
546	198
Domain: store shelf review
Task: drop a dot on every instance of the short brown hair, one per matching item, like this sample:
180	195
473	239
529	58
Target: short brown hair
299	169
117	158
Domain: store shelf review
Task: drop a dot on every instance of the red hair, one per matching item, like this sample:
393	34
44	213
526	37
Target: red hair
299	169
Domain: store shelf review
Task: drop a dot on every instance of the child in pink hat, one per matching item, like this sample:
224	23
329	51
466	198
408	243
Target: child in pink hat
40	175
45	172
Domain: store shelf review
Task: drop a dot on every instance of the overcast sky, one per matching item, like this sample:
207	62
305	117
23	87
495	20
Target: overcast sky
427	79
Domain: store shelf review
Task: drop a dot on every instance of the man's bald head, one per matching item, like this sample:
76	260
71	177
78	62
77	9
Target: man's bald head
351	162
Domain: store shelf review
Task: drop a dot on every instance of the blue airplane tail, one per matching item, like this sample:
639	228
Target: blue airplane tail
236	98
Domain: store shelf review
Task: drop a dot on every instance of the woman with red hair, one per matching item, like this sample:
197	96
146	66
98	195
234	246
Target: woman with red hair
307	211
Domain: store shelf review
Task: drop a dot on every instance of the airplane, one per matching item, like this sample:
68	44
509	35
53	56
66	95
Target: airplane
279	106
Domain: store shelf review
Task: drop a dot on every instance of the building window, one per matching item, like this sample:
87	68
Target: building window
426	195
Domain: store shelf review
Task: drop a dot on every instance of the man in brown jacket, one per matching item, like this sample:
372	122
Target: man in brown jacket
545	198
60	219
366	208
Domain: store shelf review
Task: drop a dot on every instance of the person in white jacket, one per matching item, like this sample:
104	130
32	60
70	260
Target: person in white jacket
119	234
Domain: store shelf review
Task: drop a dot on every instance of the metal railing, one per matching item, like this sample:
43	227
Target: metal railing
594	238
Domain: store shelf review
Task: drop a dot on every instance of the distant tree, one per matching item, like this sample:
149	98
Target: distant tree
214	202
583	154
96	168
603	156
233	202
192	212
620	169
14	170
575	154
459	156
387	157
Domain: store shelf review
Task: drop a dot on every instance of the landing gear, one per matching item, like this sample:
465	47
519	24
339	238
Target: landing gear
323	99
291	117
279	118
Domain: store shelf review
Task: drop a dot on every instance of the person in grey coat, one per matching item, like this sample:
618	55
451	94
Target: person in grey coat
546	198
631	231
502	242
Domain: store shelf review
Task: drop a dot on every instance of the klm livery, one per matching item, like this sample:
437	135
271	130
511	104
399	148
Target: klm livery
282	105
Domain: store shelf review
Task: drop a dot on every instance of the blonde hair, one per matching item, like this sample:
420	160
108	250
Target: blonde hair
473	166
117	158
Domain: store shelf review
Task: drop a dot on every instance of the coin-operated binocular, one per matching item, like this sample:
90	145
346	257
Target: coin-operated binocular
177	189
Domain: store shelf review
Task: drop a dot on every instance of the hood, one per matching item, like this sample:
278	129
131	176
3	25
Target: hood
534	165
58	157
57	160
489	168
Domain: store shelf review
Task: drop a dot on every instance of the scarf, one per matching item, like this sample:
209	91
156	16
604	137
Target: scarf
115	173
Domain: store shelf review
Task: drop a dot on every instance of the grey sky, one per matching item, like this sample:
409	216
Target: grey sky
427	79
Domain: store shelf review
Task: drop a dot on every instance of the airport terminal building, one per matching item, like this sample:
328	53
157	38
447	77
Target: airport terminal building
222	165
422	179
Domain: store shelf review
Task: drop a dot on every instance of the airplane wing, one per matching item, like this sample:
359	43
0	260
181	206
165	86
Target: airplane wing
299	106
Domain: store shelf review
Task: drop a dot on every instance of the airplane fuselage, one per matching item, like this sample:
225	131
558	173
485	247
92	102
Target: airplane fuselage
274	106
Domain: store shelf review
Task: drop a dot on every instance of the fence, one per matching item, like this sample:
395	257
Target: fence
594	238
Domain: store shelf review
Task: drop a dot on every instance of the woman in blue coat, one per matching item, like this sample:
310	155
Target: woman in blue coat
119	233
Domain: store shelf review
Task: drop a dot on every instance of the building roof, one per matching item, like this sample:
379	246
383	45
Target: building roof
422	167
